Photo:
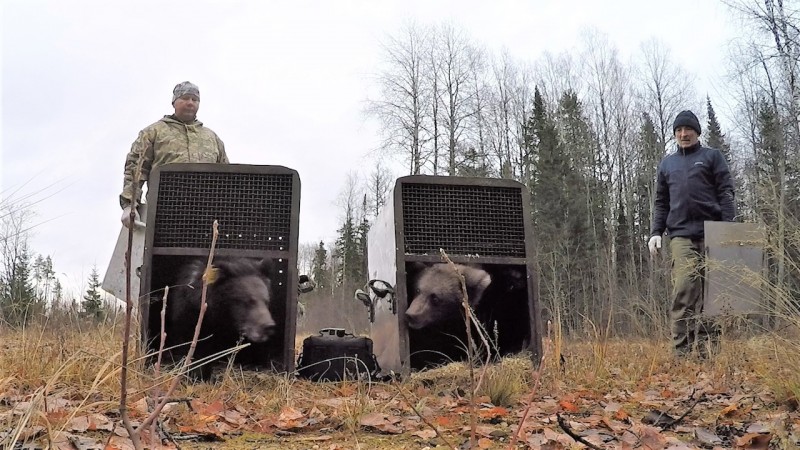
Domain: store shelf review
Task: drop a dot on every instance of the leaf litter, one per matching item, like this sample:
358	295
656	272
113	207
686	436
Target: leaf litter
685	408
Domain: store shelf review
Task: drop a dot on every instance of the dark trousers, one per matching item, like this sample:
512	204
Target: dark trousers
688	278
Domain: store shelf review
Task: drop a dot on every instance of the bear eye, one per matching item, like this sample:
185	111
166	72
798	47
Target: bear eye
434	299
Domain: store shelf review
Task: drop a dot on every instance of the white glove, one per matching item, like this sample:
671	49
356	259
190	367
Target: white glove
126	218
655	245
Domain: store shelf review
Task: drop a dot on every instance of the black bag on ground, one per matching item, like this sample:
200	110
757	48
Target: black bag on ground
334	355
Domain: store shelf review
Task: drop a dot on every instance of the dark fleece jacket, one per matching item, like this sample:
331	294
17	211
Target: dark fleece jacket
693	185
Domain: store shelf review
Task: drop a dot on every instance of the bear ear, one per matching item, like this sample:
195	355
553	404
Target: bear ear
414	268
267	267
477	280
219	271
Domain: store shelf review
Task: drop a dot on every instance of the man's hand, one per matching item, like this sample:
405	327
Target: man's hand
126	218
655	245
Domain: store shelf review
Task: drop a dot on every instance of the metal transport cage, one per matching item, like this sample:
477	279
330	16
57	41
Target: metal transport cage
734	271
477	221
257	209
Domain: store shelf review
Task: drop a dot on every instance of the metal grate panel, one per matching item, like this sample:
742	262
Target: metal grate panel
254	210
464	220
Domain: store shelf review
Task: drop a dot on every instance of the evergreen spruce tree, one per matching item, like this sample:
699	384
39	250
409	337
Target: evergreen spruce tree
361	239
347	251
549	173
92	300
58	291
18	300
714	136
319	267
474	165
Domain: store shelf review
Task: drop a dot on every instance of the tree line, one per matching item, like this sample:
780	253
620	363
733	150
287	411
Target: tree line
584	131
29	288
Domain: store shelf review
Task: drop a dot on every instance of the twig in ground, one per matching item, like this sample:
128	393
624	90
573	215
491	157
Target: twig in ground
578	438
162	340
537	377
203	305
470	348
134	434
123	388
683	416
425	420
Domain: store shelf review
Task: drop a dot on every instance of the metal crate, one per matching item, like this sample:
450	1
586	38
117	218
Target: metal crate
475	221
257	209
734	270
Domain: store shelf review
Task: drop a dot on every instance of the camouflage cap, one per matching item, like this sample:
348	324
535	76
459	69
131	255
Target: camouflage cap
184	88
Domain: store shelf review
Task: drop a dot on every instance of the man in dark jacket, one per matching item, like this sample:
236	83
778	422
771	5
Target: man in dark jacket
693	185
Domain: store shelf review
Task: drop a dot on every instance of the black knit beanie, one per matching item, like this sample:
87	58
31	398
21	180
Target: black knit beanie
686	119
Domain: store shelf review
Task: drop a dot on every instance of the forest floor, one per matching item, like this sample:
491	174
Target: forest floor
60	389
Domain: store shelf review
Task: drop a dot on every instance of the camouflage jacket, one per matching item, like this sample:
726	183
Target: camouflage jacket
169	141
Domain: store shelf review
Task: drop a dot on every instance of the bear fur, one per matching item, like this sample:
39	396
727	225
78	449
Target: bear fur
437	294
498	295
238	306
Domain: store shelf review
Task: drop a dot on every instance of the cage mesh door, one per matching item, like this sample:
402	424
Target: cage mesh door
254	210
463	220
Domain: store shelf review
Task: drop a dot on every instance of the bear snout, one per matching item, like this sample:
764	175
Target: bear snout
415	314
259	326
413	321
259	334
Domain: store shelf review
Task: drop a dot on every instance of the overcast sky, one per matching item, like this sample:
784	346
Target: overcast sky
282	83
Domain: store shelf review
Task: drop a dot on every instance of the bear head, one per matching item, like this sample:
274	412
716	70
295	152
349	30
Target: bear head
242	289
437	293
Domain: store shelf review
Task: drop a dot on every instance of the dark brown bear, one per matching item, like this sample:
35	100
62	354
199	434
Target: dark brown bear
238	299
435	314
498	294
437	294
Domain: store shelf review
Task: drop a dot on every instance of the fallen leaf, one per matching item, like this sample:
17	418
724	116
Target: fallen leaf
754	441
652	438
491	413
729	410
381	422
57	415
211	409
91	422
139	407
290	418
758	428
426	434
233	417
612	407
373	419
78	424
485	443
707	437
568	406
443	421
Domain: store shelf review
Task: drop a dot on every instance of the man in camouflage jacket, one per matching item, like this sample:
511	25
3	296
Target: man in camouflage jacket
176	138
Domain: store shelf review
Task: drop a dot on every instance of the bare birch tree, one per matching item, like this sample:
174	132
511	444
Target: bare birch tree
405	95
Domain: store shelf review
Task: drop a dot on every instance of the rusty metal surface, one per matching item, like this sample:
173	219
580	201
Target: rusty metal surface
735	261
257	208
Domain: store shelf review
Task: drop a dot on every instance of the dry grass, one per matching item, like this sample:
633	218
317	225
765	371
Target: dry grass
79	362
